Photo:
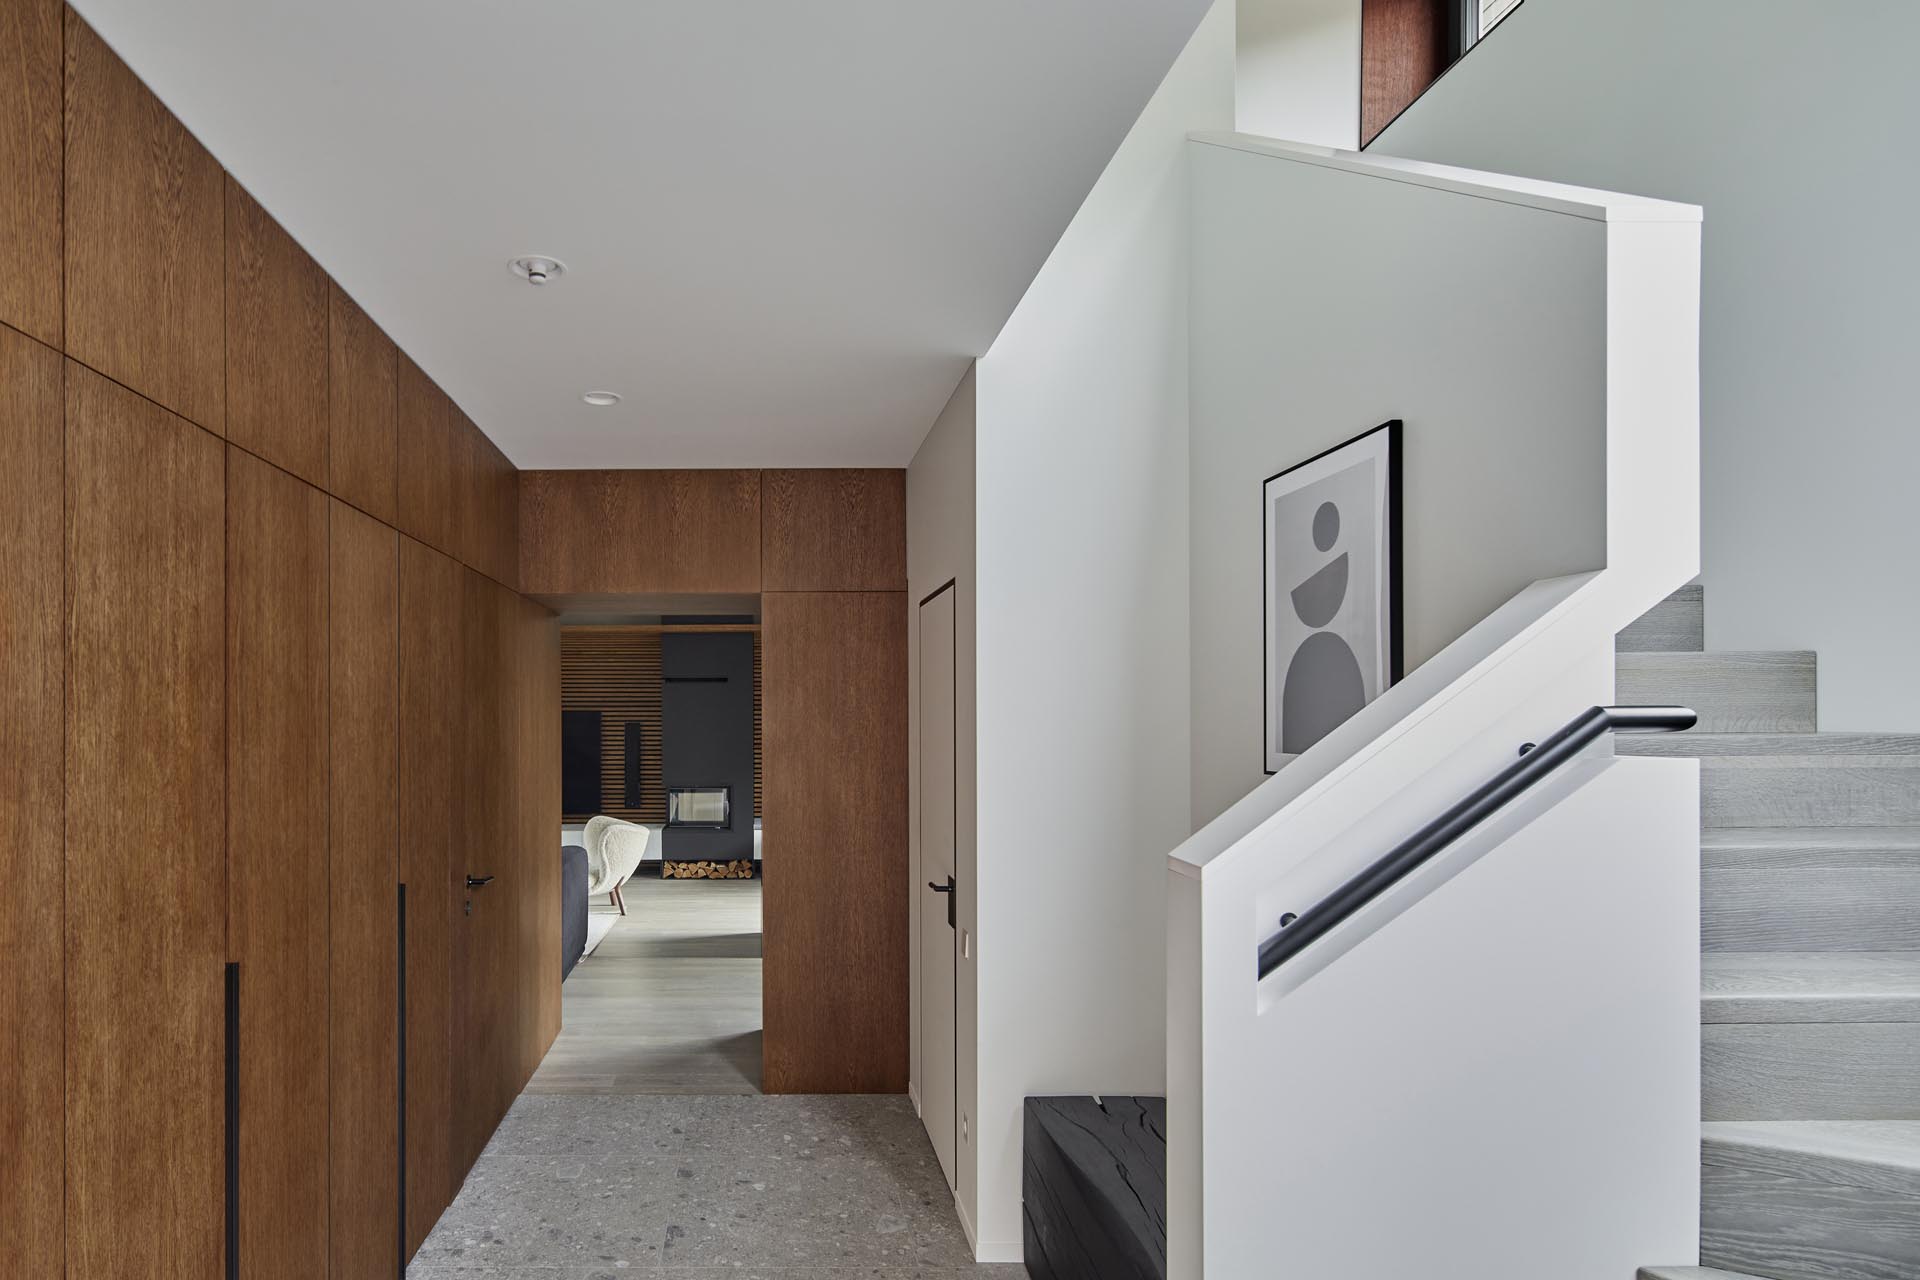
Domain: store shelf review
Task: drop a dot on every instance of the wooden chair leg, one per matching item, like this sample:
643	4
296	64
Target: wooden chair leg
619	901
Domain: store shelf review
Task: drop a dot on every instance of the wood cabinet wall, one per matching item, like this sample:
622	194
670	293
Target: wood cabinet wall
231	708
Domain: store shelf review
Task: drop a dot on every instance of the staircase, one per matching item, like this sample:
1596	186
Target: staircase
1810	977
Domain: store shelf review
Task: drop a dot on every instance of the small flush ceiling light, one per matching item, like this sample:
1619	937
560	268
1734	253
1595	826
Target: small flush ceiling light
601	399
536	269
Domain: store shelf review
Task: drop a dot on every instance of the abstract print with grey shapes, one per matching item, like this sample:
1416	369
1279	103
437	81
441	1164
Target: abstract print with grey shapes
1325	650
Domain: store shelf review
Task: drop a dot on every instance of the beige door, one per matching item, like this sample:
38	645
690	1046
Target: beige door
937	889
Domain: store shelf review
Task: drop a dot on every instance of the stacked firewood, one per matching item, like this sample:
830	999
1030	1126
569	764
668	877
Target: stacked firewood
675	869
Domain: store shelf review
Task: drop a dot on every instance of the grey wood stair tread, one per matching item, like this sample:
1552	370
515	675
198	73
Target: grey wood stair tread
1744	691
1884	1154
1767	748
1781	986
1693	1273
1676	623
1810	848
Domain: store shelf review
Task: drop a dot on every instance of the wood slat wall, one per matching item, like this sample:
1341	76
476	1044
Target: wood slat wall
616	671
195	778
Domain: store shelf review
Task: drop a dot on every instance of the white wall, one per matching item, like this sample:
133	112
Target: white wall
1793	127
1082	633
940	549
1480	324
1298	73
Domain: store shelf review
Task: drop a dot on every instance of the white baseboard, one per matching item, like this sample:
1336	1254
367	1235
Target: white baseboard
992	1252
913	1096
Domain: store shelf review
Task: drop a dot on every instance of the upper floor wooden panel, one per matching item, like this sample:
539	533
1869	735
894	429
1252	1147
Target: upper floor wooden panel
362	404
145	239
276	342
639	531
424	453
30	167
833	530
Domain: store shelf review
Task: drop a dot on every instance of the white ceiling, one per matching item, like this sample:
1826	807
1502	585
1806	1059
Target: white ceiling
789	223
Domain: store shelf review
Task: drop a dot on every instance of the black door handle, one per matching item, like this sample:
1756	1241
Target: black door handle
479	882
947	889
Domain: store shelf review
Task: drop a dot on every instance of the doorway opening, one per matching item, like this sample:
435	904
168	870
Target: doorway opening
662	844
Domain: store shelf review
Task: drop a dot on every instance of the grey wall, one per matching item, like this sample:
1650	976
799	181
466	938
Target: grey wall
1792	125
706	734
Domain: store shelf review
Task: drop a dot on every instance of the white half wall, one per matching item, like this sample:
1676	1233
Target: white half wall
1298	73
1793	127
940	549
1082	634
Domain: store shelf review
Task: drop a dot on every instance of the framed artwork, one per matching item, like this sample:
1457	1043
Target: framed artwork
1330	558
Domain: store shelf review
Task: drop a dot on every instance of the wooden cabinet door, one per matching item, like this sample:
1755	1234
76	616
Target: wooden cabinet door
362	401
364	903
482	937
30	167
145	238
277	356
32	1132
429	706
146	888
277	860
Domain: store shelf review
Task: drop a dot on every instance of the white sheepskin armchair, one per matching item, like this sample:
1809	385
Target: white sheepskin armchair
614	852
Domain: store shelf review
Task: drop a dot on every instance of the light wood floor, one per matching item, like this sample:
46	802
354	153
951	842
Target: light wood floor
670	1001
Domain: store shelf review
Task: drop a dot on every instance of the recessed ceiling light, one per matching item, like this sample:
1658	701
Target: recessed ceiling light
538	269
601	399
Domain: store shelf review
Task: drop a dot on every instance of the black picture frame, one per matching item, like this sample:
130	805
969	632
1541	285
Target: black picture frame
1384	441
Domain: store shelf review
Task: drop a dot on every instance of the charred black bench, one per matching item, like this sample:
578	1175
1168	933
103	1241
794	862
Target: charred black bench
1094	1188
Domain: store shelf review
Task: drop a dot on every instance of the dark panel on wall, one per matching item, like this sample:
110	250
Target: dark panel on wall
633	787
429	615
580	761
835	981
361	407
145	256
1402	51
32	1130
425	458
30	167
145	752
363	630
277	858
706	736
834	530
639	531
276	342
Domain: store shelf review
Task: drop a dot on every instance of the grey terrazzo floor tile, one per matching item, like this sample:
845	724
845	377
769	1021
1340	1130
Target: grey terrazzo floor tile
816	1188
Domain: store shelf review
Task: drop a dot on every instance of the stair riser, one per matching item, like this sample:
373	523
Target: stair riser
1810	1071
1676	623
1745	794
1787	1227
1809	909
1733	692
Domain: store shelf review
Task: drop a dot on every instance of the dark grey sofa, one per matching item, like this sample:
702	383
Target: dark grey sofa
573	907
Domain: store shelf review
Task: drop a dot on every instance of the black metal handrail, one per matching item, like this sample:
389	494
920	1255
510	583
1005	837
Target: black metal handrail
1298	932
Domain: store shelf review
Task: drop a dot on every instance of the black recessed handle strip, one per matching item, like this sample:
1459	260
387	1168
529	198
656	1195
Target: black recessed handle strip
1297	933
